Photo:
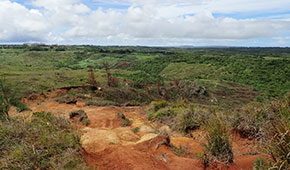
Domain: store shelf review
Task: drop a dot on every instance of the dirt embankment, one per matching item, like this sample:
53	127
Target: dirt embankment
109	146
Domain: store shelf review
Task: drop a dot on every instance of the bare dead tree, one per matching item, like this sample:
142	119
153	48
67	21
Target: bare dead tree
91	78
112	81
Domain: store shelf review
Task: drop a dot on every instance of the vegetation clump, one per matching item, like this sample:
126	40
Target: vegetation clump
180	116
136	130
8	99
125	121
180	151
254	119
272	129
45	142
278	145
218	146
81	117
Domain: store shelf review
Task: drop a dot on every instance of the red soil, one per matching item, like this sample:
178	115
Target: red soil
139	156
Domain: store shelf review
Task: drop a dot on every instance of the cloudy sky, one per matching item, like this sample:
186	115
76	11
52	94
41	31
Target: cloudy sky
146	22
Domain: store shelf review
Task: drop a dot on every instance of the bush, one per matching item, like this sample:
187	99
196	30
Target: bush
179	116
279	144
253	120
7	99
126	122
188	120
159	105
218	145
81	117
47	142
136	130
180	90
164	115
21	107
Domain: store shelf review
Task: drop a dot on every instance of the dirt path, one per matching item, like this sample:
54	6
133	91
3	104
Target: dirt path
108	146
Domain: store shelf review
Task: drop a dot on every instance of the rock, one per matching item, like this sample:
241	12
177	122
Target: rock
126	134
147	137
165	129
146	129
97	140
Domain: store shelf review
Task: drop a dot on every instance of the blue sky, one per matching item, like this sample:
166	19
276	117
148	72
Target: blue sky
146	22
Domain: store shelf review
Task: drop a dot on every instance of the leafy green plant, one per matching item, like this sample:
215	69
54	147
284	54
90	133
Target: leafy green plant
125	122
136	129
87	122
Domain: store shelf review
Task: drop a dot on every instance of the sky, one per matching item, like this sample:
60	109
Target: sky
147	22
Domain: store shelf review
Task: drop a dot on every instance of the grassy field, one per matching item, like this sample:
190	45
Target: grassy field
36	69
237	89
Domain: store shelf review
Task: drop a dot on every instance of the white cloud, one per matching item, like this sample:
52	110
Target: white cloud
145	21
18	22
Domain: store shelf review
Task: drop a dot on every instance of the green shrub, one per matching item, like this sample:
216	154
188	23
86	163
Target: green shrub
47	142
180	116
188	120
164	114
126	122
81	116
261	164
159	105
20	107
218	145
121	115
136	130
87	122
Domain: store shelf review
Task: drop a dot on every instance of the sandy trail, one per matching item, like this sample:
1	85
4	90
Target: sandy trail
108	146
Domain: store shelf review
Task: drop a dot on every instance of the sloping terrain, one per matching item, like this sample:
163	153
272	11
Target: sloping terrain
107	145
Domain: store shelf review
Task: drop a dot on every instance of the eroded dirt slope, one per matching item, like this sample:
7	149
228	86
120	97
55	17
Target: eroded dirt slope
108	146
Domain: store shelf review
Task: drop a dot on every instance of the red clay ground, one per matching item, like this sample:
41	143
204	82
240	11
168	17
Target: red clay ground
108	146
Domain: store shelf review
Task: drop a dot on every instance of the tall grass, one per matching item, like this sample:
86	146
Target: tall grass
254	119
270	123
218	147
46	142
279	144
